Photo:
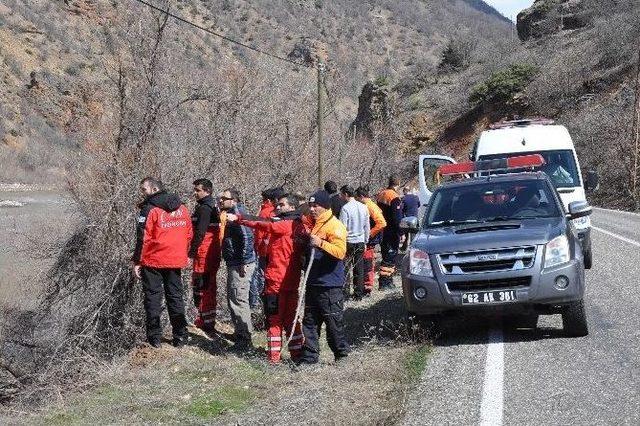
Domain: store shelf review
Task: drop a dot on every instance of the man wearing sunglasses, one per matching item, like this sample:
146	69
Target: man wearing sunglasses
239	255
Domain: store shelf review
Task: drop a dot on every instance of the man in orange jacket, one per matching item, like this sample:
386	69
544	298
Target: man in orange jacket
162	241
282	274
324	300
390	203
377	224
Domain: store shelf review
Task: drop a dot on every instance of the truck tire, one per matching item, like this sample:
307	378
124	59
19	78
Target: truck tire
574	320
588	258
523	321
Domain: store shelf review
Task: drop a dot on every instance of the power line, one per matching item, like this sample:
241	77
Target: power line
230	40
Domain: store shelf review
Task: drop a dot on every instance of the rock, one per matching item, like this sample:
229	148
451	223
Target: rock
13	141
308	51
548	17
373	105
9	386
34	83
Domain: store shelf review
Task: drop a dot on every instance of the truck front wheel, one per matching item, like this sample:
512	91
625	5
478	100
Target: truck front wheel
574	320
588	258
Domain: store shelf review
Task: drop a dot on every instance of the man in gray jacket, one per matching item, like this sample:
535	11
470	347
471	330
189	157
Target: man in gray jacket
355	217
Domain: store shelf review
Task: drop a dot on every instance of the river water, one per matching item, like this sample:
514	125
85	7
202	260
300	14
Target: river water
33	224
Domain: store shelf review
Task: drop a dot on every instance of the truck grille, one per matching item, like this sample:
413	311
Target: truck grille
519	282
496	260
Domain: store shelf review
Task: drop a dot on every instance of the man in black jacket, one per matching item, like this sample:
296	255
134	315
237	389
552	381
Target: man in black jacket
336	201
390	203
205	253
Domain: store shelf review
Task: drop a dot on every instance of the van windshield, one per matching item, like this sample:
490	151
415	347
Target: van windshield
491	202
559	165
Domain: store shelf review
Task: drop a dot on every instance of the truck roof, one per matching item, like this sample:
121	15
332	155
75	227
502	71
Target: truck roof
507	177
526	138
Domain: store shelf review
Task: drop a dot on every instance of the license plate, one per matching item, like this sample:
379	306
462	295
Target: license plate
482	297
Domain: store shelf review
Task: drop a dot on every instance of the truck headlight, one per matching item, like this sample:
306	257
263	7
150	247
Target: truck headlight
419	263
556	252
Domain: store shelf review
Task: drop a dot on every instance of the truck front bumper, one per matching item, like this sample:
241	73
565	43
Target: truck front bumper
542	292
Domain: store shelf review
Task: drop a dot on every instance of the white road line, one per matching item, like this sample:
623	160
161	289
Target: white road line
620	237
492	390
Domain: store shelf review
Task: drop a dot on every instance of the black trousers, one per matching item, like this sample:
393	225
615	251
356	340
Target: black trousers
389	251
167	282
199	282
354	257
323	305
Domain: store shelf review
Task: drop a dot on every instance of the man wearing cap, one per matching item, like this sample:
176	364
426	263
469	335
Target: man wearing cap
324	301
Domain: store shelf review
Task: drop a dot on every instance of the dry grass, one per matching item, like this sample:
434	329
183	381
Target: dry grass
204	384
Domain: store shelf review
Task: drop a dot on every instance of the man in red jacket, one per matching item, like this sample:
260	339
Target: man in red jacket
261	242
282	274
162	240
206	251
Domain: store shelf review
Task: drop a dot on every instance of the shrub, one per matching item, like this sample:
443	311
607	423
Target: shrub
456	56
416	102
503	85
381	81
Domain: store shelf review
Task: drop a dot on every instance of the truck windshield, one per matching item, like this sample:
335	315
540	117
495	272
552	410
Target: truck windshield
559	165
491	202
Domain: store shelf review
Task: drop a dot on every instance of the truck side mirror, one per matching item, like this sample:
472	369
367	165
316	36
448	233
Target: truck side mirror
592	181
409	223
579	209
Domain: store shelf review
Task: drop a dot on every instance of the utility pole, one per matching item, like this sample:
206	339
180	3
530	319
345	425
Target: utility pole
319	121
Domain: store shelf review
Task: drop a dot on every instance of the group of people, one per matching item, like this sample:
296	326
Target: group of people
328	234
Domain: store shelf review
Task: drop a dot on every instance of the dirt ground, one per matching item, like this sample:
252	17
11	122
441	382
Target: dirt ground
205	384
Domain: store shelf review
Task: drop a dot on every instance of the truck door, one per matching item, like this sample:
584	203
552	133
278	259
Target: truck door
427	167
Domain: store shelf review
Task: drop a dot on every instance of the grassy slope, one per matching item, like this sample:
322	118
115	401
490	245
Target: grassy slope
205	384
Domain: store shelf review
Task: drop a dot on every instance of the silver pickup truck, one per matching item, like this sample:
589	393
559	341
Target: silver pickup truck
501	241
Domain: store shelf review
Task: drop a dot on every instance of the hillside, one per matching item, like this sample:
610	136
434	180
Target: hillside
72	47
577	63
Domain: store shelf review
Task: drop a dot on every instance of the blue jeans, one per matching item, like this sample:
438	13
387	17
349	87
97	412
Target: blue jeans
257	283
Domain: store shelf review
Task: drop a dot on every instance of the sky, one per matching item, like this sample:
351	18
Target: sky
509	8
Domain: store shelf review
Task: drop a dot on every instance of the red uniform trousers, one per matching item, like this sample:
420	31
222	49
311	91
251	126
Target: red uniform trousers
280	310
205	268
368	258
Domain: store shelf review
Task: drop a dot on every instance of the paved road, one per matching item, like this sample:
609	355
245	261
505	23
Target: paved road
489	374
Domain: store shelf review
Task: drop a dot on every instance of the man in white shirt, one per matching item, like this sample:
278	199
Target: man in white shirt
355	216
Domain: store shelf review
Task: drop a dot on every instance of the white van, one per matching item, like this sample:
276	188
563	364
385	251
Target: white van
521	137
